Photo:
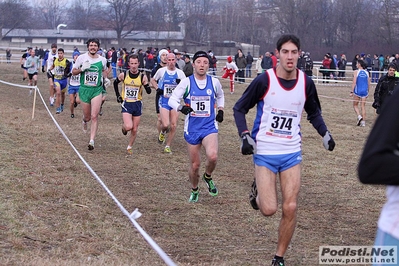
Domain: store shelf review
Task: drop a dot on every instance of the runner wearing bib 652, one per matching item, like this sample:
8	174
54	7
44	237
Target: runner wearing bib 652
91	67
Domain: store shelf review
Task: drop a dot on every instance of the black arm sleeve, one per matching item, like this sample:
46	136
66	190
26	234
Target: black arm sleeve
379	162
116	89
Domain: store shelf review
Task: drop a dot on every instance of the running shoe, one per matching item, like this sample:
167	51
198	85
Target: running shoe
359	120
167	150
51	101
129	150
252	196
84	123
124	131
91	145
72	115
62	107
277	262
58	110
193	196
362	123
213	191
161	138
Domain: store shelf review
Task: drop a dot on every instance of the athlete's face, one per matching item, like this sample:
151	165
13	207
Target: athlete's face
201	66
164	58
288	54
93	48
32	53
60	55
171	61
54	49
391	71
134	65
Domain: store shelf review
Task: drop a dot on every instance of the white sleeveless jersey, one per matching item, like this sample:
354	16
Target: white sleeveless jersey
74	80
50	60
277	123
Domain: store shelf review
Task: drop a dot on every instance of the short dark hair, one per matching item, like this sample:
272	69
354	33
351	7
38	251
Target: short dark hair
362	64
133	56
288	38
61	50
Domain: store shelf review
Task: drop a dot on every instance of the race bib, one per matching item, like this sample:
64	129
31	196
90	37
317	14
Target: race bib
168	89
75	78
59	71
281	123
131	94
91	79
201	106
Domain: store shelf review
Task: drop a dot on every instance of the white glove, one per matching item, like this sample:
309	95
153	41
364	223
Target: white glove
107	82
86	65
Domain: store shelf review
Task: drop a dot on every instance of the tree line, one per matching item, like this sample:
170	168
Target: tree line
335	26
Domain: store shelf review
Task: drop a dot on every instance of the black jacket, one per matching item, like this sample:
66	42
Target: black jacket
379	162
385	88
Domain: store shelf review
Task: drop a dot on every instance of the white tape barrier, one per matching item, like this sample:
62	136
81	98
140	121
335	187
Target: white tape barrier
132	216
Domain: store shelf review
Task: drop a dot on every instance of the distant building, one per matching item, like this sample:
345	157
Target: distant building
70	38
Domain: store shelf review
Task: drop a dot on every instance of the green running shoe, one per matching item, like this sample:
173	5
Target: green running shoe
194	196
213	191
161	137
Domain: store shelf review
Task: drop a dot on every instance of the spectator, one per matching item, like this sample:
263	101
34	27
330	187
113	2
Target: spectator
8	55
375	68
342	67
258	67
274	59
385	88
354	61
179	60
241	63
325	67
188	67
267	61
308	65
379	164
250	60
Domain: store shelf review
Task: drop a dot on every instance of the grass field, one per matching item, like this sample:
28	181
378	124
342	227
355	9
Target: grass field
53	212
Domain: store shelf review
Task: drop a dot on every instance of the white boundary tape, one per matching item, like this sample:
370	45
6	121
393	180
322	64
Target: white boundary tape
132	216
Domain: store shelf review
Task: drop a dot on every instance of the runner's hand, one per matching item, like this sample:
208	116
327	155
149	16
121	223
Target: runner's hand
86	65
328	141
248	145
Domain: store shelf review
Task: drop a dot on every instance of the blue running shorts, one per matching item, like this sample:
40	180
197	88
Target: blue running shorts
278	163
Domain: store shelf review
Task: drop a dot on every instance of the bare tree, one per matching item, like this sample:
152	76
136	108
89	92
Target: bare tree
197	18
84	14
123	16
10	15
386	15
52	13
